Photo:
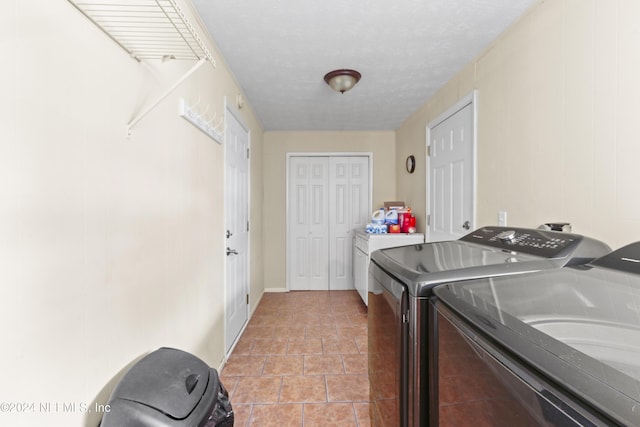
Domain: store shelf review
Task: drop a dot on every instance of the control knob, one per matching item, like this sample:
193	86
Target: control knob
506	236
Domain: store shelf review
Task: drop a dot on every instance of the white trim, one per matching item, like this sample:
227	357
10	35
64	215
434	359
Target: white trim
471	98
289	155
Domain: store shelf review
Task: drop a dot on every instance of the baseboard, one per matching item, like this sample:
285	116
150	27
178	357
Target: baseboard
275	290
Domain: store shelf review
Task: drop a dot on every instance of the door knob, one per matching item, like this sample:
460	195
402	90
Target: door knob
466	225
231	251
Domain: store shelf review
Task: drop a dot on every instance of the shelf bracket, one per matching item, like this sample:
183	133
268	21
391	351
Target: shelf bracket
150	107
148	29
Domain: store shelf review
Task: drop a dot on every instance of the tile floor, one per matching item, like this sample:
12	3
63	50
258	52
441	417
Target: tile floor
302	361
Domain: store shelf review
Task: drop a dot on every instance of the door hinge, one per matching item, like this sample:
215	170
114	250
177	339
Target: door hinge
248	153
247	298
247	225
428	150
429	219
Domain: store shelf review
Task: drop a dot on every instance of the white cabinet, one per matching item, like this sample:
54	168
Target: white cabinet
360	271
366	244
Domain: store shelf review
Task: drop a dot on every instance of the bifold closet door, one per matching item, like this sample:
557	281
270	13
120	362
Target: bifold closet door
328	198
308	240
349	208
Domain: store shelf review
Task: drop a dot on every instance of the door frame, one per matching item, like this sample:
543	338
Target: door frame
316	154
229	108
469	99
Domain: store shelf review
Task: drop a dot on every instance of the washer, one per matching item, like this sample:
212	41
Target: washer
401	281
556	347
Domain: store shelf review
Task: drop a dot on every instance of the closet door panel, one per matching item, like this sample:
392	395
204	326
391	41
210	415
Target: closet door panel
308	237
328	198
349	194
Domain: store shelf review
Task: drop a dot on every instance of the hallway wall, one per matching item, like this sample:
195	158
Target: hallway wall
557	137
110	245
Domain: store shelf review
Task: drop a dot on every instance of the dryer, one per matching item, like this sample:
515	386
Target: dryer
556	348
401	282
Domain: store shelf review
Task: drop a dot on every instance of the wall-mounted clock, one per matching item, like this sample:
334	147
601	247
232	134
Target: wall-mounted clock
411	163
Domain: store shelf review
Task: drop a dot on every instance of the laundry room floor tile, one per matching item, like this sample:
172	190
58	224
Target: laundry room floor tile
302	361
348	388
355	363
269	346
305	346
285	415
308	388
283	365
242	365
329	414
323	364
257	390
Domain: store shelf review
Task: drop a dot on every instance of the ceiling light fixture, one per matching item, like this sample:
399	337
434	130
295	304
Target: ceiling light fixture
342	80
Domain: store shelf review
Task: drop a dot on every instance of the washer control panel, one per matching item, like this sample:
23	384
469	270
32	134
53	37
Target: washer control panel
507	236
549	244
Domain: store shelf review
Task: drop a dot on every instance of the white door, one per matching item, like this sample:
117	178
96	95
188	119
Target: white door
349	208
237	228
308	223
328	196
451	174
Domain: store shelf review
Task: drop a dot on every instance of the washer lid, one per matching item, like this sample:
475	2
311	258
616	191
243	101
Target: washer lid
168	380
486	252
430	258
626	259
580	326
420	267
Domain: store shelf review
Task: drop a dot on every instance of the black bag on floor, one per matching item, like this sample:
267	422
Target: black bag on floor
222	414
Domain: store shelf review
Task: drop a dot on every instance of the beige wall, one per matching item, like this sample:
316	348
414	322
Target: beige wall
276	147
557	134
110	246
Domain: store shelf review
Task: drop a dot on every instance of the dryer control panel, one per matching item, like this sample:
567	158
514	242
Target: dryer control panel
548	244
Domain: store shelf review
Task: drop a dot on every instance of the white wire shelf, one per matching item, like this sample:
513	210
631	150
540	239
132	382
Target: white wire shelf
146	29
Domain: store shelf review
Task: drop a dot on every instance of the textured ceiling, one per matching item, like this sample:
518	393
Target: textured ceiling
280	50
